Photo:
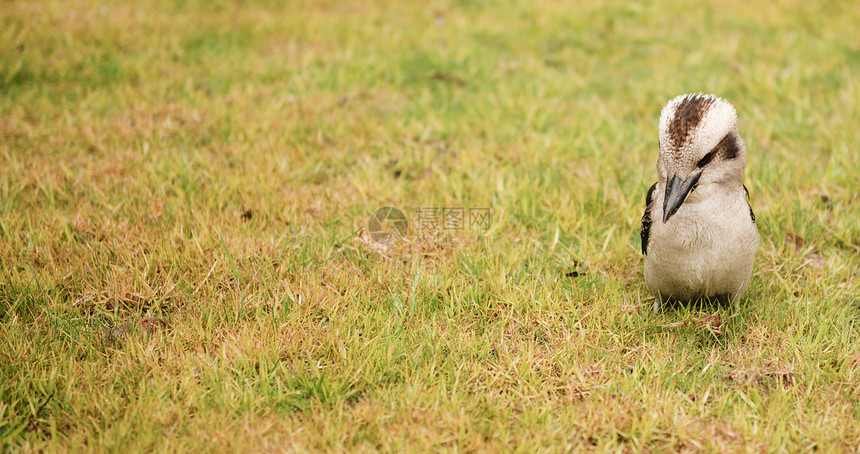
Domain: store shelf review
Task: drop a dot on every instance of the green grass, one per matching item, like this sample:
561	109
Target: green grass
213	165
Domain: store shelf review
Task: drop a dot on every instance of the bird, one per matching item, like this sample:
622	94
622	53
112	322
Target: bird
698	231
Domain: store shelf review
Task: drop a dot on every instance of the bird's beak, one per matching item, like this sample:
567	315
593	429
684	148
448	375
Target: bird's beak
676	192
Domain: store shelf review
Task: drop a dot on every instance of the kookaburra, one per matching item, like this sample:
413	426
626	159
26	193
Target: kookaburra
698	231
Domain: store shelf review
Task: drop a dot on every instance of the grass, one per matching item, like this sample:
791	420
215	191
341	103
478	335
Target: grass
184	190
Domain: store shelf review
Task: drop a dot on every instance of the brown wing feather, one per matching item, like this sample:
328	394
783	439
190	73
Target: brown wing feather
645	229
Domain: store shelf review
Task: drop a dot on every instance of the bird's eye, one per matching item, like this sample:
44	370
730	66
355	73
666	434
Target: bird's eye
706	159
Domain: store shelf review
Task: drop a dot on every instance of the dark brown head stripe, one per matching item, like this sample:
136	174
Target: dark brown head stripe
726	149
688	114
729	147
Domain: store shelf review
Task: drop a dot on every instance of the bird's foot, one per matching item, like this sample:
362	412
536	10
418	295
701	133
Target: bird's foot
656	307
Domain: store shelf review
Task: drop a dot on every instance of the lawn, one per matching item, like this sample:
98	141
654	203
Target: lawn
190	260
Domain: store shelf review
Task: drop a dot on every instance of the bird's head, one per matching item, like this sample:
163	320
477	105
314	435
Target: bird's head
699	146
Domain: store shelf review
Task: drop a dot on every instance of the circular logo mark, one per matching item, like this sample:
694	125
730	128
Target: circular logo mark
387	226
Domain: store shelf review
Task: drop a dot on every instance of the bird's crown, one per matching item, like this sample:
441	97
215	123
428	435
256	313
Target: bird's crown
694	122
